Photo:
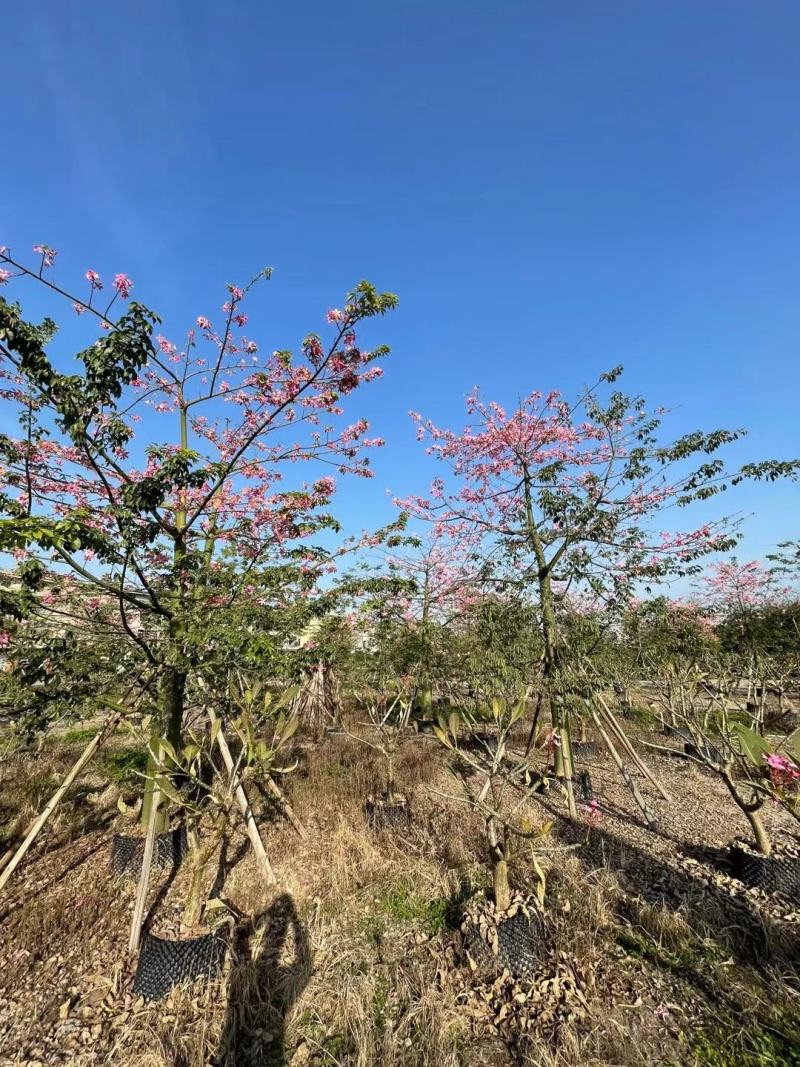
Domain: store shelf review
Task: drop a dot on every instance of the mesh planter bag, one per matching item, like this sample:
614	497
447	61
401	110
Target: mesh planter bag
773	874
164	964
382	814
584	784
584	748
512	939
168	852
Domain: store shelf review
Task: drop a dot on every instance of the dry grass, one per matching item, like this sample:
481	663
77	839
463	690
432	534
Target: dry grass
346	963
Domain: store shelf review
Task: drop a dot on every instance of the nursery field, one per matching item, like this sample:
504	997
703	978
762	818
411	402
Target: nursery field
511	778
648	950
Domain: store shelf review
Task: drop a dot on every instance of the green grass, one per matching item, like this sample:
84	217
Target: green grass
124	765
733	1048
81	735
403	904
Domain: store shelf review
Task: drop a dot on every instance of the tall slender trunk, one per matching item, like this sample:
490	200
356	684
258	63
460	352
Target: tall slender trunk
551	667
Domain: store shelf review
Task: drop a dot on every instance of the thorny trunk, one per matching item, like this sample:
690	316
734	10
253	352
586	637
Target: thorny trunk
169	725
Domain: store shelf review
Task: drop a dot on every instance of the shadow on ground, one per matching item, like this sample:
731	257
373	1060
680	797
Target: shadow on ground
272	967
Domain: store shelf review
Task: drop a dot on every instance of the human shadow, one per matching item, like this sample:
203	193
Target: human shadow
272	966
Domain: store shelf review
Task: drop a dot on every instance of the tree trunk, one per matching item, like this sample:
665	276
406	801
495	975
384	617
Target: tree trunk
753	813
200	857
172	692
567	765
170	724
763	843
500	888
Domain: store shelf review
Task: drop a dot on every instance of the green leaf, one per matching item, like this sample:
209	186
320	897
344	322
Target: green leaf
290	729
442	736
753	746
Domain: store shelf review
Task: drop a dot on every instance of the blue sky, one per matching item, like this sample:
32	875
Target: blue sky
551	189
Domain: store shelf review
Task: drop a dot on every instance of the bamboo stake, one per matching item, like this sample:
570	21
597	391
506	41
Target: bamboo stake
648	816
244	805
624	740
52	804
147	861
626	744
286	807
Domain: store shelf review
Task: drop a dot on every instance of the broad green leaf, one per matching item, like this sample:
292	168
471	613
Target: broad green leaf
752	744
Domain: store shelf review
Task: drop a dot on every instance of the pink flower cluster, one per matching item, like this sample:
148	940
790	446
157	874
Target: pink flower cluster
123	285
47	253
593	816
783	772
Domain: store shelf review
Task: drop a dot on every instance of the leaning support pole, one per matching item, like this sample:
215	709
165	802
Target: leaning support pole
624	740
647	815
244	805
54	801
147	862
274	789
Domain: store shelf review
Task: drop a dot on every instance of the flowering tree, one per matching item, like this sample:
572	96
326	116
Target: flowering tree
757	619
564	494
435	585
170	533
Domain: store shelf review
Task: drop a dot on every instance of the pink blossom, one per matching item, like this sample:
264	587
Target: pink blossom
4	276
783	772
592	813
335	315
79	308
251	347
123	285
5	639
203	322
94	279
47	253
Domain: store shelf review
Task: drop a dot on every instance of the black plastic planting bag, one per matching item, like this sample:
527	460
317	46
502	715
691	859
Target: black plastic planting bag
773	874
127	852
164	964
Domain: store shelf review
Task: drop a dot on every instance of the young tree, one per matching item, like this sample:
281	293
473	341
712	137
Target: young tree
568	492
176	529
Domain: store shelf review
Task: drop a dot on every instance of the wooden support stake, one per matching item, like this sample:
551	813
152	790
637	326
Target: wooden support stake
52	804
244	805
286	807
147	862
648	816
624	740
